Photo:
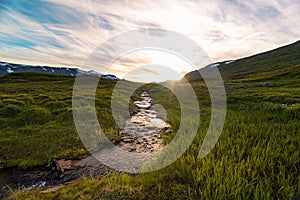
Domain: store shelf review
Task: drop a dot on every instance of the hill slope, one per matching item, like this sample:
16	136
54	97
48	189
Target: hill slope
277	59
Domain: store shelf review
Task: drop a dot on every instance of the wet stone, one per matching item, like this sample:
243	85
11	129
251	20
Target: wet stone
142	130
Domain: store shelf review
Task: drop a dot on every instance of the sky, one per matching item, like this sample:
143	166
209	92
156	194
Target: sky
64	33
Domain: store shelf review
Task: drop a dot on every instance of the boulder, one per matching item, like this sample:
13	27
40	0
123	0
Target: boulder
63	165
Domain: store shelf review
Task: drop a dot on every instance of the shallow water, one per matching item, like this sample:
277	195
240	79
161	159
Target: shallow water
142	131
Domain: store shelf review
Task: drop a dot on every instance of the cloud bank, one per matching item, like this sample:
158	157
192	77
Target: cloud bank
63	33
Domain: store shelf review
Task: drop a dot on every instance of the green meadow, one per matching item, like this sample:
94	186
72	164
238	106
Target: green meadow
256	157
36	120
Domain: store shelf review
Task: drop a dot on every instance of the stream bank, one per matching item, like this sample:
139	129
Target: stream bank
141	134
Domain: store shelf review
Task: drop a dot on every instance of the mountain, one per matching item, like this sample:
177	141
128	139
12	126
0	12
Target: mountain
7	68
277	59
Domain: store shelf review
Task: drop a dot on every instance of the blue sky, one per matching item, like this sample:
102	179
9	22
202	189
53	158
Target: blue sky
55	32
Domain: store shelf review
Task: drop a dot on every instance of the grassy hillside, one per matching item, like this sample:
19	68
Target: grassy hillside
275	60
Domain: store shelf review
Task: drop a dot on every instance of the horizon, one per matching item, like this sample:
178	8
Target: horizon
143	68
32	35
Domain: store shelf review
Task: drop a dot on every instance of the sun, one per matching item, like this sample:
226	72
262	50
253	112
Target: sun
151	66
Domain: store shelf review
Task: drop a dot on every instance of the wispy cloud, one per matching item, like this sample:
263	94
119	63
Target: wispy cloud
55	32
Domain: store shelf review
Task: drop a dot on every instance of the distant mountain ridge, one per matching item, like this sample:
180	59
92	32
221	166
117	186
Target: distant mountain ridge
277	59
7	68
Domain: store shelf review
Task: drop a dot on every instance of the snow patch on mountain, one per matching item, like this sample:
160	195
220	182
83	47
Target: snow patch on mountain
228	62
109	76
215	65
9	70
3	64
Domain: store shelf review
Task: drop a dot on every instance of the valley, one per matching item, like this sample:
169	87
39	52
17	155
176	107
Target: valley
256	157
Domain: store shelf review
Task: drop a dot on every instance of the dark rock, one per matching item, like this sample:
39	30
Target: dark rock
266	84
227	87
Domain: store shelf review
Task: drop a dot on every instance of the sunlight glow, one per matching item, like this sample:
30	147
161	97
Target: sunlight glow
152	66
